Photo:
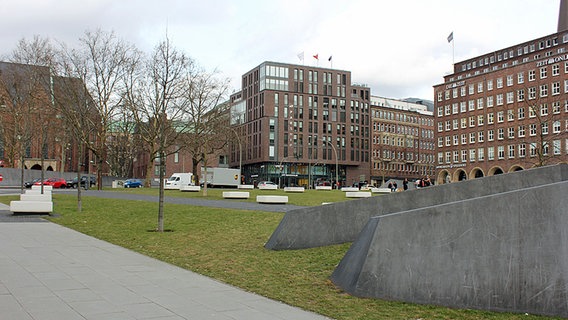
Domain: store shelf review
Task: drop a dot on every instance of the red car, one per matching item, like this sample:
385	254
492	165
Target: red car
54	182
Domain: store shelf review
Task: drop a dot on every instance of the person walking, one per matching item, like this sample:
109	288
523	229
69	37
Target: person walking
405	184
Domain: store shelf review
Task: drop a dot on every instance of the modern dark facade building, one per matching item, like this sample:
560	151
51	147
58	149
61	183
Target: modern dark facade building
504	111
301	125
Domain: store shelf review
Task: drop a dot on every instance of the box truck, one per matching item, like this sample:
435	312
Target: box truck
221	177
177	180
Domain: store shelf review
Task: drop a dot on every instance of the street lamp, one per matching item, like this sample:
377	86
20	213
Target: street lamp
336	162
240	154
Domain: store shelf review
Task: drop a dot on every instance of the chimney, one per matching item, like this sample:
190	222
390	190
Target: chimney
563	16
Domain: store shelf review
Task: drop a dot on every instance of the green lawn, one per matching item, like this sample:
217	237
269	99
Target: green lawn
228	245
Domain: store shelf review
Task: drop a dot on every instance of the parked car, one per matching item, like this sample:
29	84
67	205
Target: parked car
72	183
133	183
29	184
53	182
265	183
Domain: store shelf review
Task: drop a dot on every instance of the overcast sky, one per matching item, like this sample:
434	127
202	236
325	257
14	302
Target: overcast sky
398	48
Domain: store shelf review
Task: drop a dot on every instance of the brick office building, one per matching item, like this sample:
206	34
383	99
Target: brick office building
504	111
402	140
298	123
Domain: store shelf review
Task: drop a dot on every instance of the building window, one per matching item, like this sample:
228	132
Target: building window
521	95
556	126
439	94
556	107
489	84
522	150
472	121
480	119
490	118
490	135
500	99
499	83
470	89
463	106
532	75
463	122
489	101
543	90
480	136
471	155
463	139
510	97
532	129
544	109
480	87
555	69
501	152
521	112
520	77
510	115
480	103
500	117
509	80
511	132
490	153
464	155
500	134
521	131
555	88
544	126
440	111
480	154
511	151
532	93
543	72
472	137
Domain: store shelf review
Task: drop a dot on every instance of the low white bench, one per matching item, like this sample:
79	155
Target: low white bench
31	206
380	190
272	199
294	189
268	187
324	203
357	194
246	186
37	191
50	188
349	189
190	188
323	187
35	197
236	194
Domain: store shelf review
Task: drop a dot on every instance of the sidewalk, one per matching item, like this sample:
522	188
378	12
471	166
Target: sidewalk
49	272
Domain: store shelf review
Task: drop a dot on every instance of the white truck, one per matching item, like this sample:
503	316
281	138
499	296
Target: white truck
221	177
177	180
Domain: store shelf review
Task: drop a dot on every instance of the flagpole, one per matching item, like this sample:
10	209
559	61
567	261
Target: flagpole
453	51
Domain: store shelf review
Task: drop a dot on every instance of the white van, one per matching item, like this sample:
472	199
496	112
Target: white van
177	180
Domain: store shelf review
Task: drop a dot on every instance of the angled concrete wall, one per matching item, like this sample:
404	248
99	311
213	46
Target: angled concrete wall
341	222
503	252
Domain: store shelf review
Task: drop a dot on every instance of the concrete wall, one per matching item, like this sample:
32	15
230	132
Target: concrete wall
504	252
341	222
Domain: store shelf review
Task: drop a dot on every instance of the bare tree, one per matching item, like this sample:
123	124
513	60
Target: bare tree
157	97
208	119
103	61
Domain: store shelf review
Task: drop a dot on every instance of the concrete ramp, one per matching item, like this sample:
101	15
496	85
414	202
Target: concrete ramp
500	252
341	222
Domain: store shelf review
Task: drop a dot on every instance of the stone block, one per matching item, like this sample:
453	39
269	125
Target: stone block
272	199
236	195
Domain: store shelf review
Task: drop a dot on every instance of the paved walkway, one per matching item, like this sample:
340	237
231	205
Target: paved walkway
49	272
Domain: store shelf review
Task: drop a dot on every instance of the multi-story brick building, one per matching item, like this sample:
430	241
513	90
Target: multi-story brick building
300	124
402	140
504	111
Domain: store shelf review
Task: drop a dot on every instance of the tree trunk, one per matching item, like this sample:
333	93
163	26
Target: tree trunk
161	197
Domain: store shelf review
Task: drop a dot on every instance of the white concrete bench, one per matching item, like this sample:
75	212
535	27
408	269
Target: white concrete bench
323	188
246	186
190	188
349	189
268	187
324	203
294	189
31	206
236	195
35	197
37	191
357	194
380	190
272	199
34	187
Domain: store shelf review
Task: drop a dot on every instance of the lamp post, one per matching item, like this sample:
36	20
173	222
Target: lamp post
336	162
240	154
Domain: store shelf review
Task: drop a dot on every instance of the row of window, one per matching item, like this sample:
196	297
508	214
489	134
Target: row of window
472	105
511	133
402	129
401	117
392	155
479	120
510	53
400	168
502	152
520	77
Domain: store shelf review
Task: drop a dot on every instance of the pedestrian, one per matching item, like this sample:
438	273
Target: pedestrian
394	186
405	184
390	186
